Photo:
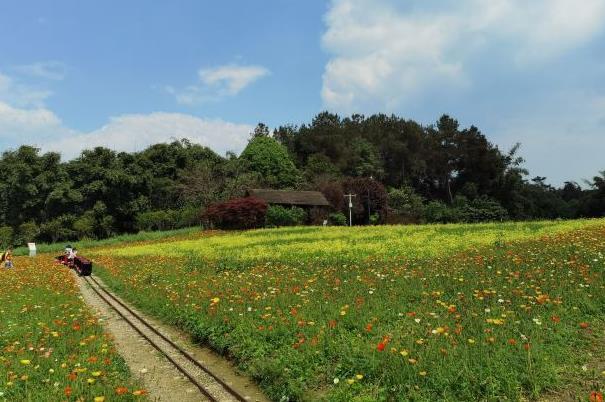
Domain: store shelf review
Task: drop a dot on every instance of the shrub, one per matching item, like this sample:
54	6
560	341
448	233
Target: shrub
27	232
406	203
437	212
6	236
238	213
59	228
281	216
85	225
337	219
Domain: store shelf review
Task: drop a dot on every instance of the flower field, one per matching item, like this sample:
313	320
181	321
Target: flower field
52	347
455	312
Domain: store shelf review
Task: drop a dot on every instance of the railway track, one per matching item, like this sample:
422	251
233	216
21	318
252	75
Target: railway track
211	386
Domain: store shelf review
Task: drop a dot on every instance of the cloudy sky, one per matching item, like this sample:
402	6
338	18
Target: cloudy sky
122	74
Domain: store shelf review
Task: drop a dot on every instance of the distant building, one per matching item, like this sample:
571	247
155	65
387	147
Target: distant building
313	202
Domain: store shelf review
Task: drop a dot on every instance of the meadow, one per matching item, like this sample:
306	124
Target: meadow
443	312
52	348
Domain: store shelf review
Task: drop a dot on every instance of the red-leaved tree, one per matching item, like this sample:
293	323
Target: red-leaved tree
238	213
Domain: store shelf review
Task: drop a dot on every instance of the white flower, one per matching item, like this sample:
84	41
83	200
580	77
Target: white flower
500	300
336	380
417	320
585	368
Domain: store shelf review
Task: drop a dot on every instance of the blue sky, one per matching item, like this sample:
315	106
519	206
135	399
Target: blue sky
75	74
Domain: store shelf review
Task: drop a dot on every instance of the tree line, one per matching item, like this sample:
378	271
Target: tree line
410	172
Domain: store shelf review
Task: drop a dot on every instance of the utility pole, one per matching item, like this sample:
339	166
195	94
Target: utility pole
350	197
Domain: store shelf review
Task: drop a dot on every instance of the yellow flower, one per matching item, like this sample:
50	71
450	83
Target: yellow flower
99	399
471	341
91	381
215	300
25	362
404	352
96	373
360	376
350	381
422	373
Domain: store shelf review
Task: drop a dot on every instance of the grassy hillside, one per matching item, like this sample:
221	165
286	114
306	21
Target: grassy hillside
52	347
455	312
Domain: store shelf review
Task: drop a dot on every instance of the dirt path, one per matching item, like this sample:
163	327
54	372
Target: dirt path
155	372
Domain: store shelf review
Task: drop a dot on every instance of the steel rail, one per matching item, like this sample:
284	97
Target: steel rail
183	352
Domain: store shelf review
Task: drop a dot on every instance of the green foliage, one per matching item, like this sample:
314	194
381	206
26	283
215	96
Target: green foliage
280	216
59	228
337	219
481	209
405	202
27	232
104	191
6	236
271	160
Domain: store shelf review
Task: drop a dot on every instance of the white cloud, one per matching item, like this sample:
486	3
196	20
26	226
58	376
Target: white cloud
231	79
218	82
135	132
382	55
21	95
50	70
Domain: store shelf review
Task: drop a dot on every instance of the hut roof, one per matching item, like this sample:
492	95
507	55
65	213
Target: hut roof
287	197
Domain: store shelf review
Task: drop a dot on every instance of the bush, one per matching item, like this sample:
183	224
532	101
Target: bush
239	213
337	219
482	209
27	232
59	229
437	212
85	225
281	216
405	203
6	236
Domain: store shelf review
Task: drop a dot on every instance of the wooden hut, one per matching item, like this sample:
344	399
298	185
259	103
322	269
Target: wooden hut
313	202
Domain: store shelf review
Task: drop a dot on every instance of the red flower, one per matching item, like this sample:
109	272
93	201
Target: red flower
380	346
512	342
584	325
121	390
596	396
526	346
67	391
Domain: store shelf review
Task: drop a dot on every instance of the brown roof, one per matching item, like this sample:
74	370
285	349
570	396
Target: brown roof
286	197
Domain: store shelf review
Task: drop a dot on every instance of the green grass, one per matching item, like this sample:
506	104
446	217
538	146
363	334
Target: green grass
51	346
442	312
112	241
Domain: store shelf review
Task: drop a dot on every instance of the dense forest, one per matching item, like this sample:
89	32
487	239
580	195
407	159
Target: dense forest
403	172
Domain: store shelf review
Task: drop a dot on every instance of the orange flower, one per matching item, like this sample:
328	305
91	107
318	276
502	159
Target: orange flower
121	390
512	342
76	327
72	376
526	346
596	396
380	346
139	392
369	327
332	323
67	391
584	325
555	319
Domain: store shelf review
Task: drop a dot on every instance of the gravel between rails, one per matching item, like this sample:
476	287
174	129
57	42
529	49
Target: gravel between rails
160	377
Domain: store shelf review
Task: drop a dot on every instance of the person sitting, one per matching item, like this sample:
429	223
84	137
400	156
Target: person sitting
7	258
